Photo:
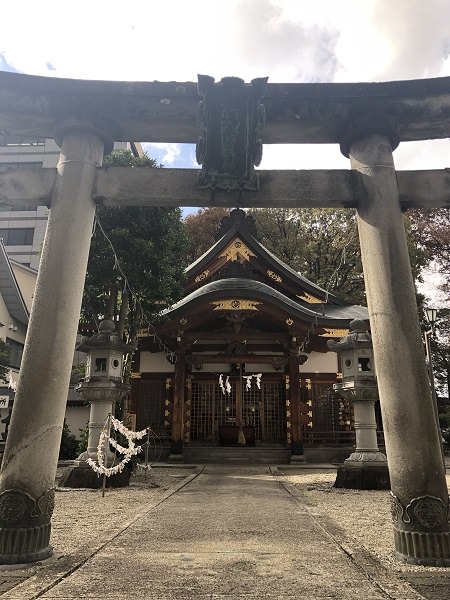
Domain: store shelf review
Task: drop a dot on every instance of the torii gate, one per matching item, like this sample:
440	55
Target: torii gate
368	120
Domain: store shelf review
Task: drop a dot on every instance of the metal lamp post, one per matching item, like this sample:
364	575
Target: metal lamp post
366	467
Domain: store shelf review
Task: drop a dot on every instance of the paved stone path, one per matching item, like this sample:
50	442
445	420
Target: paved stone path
231	533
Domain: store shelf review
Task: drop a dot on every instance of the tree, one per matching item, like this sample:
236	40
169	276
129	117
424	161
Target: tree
322	244
201	229
430	230
136	260
4	361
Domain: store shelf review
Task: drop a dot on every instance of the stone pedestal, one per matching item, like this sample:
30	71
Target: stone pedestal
367	467
363	476
82	476
102	396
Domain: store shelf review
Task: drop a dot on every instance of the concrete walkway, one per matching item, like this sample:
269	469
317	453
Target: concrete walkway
230	532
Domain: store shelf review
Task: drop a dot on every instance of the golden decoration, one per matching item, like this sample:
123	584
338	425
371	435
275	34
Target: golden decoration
274	276
237	251
144	332
183	321
135	375
335	333
202	276
289	321
236	304
167	413
310	298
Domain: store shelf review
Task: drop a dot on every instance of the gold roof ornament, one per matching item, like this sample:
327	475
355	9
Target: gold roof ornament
237	251
334	333
310	298
236	304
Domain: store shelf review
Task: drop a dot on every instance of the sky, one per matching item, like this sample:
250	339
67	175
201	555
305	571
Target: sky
286	40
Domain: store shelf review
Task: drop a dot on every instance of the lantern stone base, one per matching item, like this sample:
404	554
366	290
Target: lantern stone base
84	477
363	477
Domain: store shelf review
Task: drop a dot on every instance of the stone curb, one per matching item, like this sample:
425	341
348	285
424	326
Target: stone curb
45	575
392	585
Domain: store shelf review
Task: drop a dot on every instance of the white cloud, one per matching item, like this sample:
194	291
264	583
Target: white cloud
168	152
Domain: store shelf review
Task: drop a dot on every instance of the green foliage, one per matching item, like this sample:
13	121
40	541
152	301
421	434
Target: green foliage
69	444
4	361
83	441
136	262
77	374
125	158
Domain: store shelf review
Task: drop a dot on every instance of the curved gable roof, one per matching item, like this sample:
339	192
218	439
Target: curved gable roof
324	315
201	269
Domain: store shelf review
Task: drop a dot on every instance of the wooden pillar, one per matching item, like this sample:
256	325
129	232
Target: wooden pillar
294	397
176	445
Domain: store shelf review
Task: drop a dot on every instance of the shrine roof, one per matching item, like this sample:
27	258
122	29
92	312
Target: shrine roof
239	229
321	314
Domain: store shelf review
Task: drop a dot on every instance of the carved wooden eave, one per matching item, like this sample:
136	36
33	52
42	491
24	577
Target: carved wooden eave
236	310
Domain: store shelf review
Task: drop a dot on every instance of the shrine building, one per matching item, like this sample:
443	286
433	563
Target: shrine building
241	361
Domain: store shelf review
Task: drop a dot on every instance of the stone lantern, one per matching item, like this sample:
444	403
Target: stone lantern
366	467
102	388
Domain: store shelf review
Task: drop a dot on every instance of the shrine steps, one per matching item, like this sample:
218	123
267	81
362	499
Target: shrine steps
267	454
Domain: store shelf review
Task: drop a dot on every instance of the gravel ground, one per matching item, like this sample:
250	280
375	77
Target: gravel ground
83	518
84	515
365	515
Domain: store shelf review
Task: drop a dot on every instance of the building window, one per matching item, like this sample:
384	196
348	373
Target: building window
14	140
17	236
15	353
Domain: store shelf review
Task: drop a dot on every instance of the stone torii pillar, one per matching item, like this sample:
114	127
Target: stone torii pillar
29	465
420	501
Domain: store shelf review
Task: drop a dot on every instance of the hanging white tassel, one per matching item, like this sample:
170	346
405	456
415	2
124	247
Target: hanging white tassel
248	383
258	380
222	387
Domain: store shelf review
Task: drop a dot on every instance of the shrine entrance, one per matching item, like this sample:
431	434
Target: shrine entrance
213	416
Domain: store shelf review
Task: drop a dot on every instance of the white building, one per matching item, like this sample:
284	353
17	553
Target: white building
23	231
